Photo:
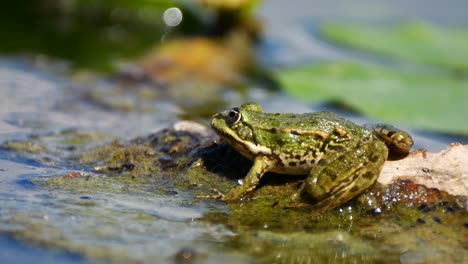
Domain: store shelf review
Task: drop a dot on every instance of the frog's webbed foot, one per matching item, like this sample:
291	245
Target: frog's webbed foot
217	196
398	142
248	184
233	195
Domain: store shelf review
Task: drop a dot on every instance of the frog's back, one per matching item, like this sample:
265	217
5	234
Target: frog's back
299	138
322	121
296	141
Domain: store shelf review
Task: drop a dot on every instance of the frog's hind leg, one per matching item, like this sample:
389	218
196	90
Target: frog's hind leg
336	180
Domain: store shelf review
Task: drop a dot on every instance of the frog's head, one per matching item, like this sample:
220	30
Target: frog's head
235	127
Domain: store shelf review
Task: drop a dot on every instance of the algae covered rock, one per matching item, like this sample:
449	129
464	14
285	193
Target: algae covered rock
125	190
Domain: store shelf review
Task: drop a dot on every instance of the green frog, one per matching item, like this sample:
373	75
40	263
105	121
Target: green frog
341	159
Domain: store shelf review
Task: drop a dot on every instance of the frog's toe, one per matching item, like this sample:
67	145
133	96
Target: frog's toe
296	205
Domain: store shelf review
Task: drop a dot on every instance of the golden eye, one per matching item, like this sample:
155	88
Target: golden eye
233	116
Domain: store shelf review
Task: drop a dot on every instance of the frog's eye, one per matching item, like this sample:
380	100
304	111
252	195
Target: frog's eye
233	116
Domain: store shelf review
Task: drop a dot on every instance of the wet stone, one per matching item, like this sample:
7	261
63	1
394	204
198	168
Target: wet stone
171	192
185	256
128	166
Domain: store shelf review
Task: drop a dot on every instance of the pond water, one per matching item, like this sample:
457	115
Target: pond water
160	224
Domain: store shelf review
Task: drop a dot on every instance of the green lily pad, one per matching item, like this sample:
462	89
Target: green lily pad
417	42
425	101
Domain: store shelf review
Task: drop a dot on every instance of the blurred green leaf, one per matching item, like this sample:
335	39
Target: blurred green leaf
418	42
90	34
434	102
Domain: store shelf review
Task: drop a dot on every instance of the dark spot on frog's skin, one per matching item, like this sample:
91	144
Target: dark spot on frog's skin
294	132
421	221
334	147
273	130
292	163
278	161
465	224
368	175
354	189
390	134
302	162
437	219
314	154
297	156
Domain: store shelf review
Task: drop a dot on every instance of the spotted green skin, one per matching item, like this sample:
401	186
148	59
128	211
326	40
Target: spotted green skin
340	158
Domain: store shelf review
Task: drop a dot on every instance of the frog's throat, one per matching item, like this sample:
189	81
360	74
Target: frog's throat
246	148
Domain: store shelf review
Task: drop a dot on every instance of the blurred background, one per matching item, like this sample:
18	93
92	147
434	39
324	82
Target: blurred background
75	74
390	61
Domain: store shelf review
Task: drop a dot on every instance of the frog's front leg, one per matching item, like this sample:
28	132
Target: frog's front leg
248	184
338	178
